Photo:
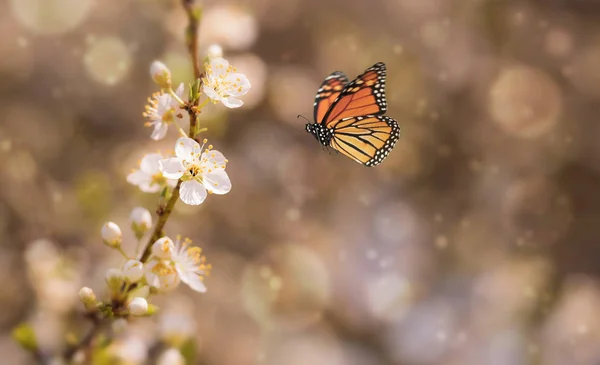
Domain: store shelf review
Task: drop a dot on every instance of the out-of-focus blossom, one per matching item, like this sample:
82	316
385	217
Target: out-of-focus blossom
138	306
163	248
231	26
133	270
223	83
149	178
214	51
176	328
199	171
111	234
161	74
191	265
114	278
171	357
162	109
87	297
131	350
141	221
175	262
161	274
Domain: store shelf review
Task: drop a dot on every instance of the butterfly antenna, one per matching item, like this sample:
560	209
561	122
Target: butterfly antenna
303	117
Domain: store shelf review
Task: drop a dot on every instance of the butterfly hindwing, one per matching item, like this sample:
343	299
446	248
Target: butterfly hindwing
365	95
366	139
328	92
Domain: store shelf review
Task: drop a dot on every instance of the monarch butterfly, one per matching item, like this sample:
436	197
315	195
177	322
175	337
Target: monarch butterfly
349	116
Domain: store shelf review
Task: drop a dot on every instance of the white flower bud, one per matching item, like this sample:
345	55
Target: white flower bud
161	74
111	234
163	248
141	221
171	357
133	270
138	306
114	278
214	51
87	297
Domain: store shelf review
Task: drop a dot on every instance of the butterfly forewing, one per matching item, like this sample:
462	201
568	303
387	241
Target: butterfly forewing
366	139
329	91
363	96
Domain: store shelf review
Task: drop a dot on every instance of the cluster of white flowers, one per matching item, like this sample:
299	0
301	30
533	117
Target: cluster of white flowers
191	172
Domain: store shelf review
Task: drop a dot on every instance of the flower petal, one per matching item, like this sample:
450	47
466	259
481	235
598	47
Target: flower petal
149	187
160	131
191	279
211	93
149	163
192	192
137	177
171	168
179	92
239	84
187	149
214	160
163	104
232	102
217	182
218	66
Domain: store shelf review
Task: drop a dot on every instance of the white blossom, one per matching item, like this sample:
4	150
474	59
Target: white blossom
200	171
191	265
141	221
171	356
114	278
149	178
163	248
133	270
162	275
87	297
162	109
214	51
223	83
111	234
138	306
161	74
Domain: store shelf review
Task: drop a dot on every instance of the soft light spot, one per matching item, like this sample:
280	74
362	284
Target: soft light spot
107	60
50	16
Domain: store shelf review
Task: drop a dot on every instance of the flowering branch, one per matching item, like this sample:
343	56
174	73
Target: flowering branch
194	14
191	34
189	175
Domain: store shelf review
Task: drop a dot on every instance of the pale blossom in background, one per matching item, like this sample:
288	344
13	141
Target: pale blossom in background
161	74
191	265
171	356
138	306
199	171
161	274
162	110
224	84
149	178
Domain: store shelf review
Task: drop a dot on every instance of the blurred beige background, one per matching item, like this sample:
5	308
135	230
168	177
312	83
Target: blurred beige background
475	242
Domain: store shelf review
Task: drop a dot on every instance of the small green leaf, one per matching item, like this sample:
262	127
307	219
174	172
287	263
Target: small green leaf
189	351
24	335
152	309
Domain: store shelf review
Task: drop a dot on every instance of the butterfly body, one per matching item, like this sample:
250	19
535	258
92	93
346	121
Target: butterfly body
349	116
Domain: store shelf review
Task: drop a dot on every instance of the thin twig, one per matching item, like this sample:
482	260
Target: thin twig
87	340
194	15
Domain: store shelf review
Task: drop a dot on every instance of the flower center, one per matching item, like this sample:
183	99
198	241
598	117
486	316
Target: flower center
162	269
194	170
159	179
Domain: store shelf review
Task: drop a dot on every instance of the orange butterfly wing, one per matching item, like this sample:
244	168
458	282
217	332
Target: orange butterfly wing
328	92
366	139
363	96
